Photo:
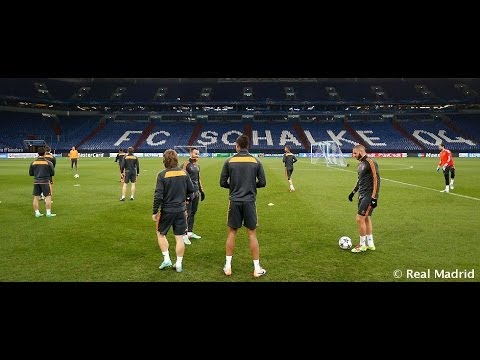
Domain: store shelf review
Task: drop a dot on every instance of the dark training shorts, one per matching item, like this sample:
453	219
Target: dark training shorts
41	188
178	220
130	177
364	207
289	173
242	212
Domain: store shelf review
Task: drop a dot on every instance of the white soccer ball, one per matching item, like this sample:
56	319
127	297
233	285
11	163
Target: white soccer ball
345	243
76	176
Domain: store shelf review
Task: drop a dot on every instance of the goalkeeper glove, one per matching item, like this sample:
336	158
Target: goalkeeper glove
438	168
350	196
374	203
202	195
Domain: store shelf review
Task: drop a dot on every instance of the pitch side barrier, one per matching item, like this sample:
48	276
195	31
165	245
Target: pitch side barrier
30	155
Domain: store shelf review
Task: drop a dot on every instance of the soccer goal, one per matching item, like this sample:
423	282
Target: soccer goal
33	145
184	150
328	151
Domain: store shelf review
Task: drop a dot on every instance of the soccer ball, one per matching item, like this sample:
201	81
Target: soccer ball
345	243
76	176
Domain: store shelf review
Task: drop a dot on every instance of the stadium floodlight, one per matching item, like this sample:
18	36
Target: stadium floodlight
329	151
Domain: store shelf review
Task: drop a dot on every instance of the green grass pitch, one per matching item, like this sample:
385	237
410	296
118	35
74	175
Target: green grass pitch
97	238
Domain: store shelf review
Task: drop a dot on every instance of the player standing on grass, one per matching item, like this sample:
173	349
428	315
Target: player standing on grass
50	157
173	189
119	159
368	187
448	167
42	170
193	170
242	174
130	168
289	159
74	155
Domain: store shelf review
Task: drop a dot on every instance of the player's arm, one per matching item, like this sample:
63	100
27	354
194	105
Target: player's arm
190	188
200	188
261	179
354	190
158	195
224	176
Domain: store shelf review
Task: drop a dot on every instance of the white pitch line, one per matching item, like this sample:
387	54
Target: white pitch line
408	184
427	188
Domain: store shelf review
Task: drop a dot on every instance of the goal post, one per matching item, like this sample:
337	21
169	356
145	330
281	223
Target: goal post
32	145
184	150
328	152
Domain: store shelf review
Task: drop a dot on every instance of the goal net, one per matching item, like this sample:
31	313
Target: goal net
328	152
184	150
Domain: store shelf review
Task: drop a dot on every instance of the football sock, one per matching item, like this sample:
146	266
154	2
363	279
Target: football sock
256	264
362	240
370	240
49	211
37	212
166	256
179	261
228	261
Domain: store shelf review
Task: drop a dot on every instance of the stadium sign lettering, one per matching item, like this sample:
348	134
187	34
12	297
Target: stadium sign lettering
91	154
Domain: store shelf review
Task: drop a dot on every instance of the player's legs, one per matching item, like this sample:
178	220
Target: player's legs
452	177
229	248
132	191
191	217
162	242
48	199
230	244
255	251
253	241
362	225
36	207
369	232
446	175
364	210
124	189
289	178
234	222
362	231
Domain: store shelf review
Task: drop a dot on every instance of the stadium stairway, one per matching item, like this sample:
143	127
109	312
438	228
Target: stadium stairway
354	134
301	135
92	134
405	133
147	131
196	131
